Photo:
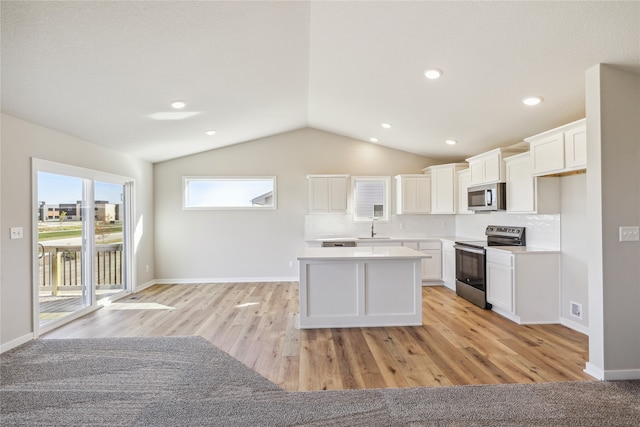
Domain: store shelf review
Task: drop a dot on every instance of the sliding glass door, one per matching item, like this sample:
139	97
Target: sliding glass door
62	289
109	249
81	228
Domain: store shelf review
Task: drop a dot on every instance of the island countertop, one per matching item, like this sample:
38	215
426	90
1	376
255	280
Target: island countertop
343	287
360	253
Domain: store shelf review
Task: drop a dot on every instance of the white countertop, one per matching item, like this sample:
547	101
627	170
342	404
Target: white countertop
522	250
380	239
378	252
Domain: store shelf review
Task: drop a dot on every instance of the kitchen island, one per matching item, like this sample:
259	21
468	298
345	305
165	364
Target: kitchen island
360	287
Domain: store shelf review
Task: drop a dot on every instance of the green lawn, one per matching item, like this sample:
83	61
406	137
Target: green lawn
50	233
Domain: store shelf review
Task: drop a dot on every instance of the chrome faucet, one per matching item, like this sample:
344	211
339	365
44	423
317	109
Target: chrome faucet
373	233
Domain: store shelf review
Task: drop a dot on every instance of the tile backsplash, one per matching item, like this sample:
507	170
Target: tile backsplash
543	231
319	226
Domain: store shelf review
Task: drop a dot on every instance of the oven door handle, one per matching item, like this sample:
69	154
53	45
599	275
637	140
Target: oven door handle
468	249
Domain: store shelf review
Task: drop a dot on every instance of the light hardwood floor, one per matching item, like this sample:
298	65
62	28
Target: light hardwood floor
256	323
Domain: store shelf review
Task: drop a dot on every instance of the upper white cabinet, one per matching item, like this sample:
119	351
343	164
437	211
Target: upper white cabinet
464	181
487	168
575	147
328	194
529	194
444	187
559	150
413	193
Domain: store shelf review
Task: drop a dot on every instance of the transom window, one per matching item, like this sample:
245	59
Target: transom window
212	192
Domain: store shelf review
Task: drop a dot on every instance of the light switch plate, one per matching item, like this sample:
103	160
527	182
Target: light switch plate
16	233
629	233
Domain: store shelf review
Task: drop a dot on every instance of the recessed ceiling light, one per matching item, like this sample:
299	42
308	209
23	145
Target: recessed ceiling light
432	73
373	139
532	100
178	104
386	125
451	142
210	132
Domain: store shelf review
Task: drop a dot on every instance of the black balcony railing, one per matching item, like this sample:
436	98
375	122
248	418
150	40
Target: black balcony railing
60	267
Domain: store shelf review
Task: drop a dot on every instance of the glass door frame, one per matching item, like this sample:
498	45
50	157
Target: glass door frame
88	176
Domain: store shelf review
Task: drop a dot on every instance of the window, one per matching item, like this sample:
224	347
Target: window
370	198
228	192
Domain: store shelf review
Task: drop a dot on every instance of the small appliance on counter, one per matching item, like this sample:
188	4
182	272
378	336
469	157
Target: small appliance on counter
470	261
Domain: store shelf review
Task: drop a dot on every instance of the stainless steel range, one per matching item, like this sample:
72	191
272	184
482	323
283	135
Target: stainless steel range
470	261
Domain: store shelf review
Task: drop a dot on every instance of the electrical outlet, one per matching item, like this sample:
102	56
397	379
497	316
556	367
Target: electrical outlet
17	233
629	233
290	264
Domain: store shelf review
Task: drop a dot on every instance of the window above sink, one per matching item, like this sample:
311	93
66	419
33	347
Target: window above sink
370	191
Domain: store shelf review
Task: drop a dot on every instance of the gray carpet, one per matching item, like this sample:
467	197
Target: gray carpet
186	381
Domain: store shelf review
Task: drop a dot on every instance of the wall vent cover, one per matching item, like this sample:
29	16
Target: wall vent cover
576	309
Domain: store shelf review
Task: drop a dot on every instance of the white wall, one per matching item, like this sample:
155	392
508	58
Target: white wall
201	246
575	250
20	142
613	200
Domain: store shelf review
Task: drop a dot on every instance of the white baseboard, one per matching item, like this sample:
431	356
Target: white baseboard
574	325
16	342
613	374
145	285
226	280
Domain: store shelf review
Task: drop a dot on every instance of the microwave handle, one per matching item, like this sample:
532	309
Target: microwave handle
489	197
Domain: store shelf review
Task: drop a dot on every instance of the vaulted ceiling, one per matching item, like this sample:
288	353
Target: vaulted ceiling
107	71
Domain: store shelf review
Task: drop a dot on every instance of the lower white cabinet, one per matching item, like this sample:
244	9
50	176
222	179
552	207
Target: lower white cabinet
524	286
377	243
500	275
449	264
432	265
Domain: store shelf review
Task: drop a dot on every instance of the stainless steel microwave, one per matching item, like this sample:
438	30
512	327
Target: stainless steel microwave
490	197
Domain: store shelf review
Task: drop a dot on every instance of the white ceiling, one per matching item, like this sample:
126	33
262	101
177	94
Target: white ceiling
100	70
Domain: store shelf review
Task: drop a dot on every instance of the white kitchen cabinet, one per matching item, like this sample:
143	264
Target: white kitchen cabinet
413	194
559	150
449	264
529	194
464	181
487	168
499	272
524	286
328	194
349	287
575	148
444	187
374	243
432	264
